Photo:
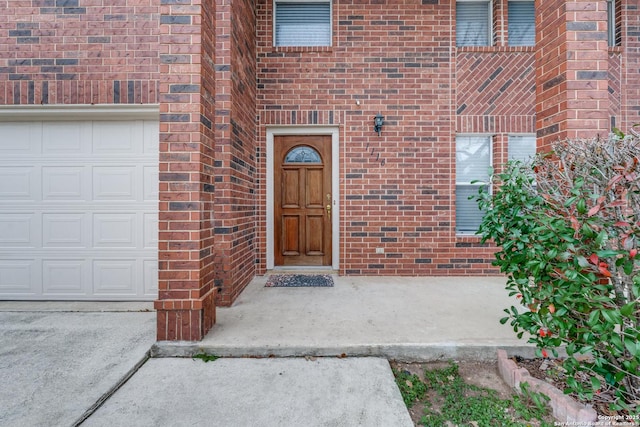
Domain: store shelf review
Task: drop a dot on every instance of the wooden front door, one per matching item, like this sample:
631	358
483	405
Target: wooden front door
302	200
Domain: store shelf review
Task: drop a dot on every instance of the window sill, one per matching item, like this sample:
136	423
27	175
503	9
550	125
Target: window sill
496	49
302	49
470	236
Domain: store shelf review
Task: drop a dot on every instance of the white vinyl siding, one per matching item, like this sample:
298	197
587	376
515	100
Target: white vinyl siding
473	23
473	159
302	23
522	147
522	23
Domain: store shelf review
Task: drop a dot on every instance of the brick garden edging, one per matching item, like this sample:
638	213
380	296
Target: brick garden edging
565	409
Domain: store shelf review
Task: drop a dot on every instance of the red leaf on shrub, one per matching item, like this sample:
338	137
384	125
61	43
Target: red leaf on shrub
552	308
633	253
574	223
594	210
603	270
544	353
593	259
622	224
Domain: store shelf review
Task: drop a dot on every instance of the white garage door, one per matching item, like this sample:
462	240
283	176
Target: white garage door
78	210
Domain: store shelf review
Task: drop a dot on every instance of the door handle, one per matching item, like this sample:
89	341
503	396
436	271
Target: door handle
329	210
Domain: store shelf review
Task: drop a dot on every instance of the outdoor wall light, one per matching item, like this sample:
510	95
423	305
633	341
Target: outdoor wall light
378	121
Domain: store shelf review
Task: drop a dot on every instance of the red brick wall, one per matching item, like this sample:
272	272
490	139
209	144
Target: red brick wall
400	60
496	90
79	52
572	57
236	156
397	190
186	249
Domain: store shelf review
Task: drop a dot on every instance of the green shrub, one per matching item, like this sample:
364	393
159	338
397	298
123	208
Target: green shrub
568	225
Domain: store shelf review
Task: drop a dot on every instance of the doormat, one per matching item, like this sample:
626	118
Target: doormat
299	280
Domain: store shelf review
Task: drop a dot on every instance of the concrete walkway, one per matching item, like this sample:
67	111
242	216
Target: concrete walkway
69	363
407	318
258	392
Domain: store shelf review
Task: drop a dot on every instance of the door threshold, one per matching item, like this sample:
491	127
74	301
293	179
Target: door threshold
297	269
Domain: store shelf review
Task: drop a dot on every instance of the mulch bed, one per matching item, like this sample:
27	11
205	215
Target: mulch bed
551	371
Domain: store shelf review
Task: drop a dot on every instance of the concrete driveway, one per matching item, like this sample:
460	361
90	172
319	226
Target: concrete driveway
56	364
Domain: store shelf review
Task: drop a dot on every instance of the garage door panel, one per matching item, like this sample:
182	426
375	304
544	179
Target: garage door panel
64	183
18	183
150	191
64	230
65	139
150	137
117	138
64	276
114	183
20	138
79	210
19	276
19	230
150	230
114	230
114	277
150	279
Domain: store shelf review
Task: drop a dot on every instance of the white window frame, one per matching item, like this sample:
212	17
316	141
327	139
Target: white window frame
275	5
458	183
490	29
509	23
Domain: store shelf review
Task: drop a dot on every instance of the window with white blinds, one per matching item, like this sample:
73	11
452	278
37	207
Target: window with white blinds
612	28
473	23
522	147
302	23
473	159
522	23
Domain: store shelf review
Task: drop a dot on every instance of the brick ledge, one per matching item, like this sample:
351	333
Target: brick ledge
565	409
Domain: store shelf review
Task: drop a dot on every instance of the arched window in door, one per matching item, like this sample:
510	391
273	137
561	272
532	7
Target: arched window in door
302	154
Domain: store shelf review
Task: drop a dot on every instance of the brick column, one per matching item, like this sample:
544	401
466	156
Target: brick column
571	70
186	300
236	150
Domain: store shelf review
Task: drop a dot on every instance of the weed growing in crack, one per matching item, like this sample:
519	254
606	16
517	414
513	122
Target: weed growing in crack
206	357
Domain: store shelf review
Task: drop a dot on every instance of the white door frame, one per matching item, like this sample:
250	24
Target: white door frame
335	187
